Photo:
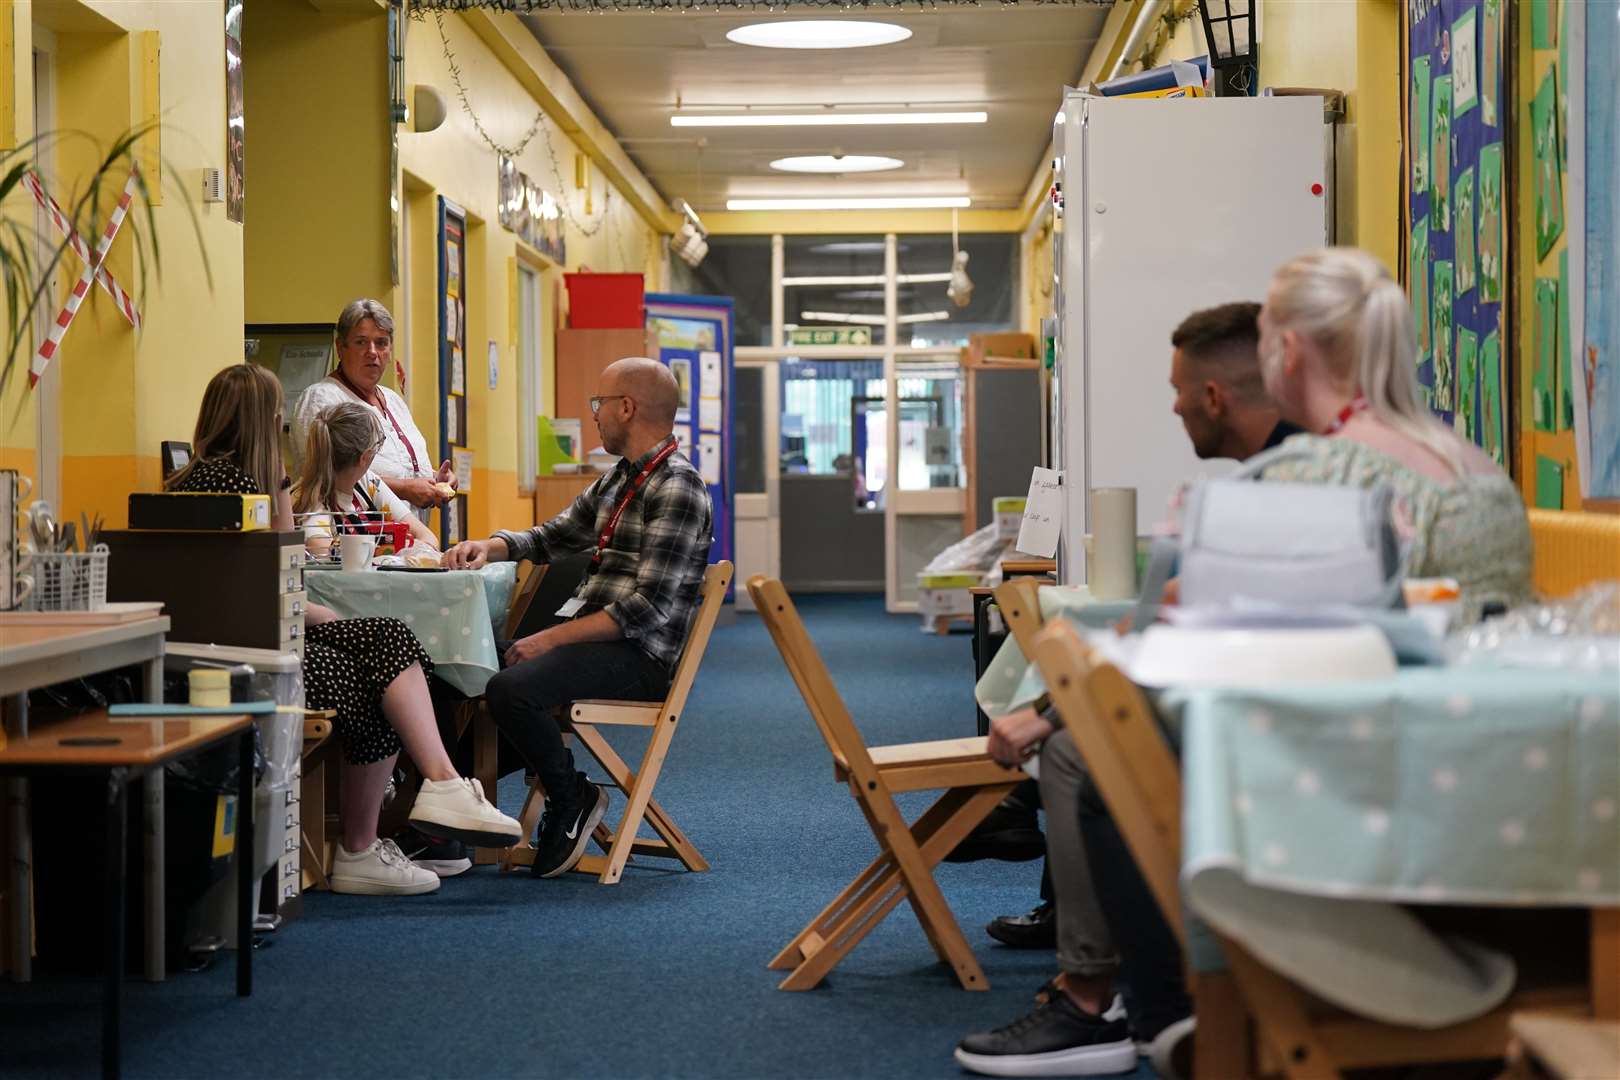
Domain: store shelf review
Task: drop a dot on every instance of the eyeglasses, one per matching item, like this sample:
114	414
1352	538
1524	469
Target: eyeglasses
596	402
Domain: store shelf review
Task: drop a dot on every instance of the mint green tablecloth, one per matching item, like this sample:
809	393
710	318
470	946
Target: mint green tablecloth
1011	680
1312	815
455	615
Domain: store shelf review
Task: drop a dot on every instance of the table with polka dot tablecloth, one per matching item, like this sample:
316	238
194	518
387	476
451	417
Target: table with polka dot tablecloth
456	615
1328	809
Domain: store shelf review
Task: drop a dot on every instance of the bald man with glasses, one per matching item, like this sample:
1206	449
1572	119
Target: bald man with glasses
646	526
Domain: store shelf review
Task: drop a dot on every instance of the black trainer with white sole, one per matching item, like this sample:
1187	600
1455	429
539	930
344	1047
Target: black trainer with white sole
1057	1039
566	827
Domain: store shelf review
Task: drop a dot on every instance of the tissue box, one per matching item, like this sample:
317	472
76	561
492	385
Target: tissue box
946	594
1009	517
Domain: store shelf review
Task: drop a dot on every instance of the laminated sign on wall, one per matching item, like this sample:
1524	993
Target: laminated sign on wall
1043	514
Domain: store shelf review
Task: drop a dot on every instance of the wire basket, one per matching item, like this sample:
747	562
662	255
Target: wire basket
69	580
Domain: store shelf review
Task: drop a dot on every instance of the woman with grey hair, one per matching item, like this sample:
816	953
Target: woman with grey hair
365	345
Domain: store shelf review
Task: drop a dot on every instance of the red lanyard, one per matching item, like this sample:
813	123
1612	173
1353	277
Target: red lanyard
1358	405
630	491
382	403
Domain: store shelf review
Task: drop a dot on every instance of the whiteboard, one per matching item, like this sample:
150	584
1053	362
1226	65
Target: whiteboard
1174	205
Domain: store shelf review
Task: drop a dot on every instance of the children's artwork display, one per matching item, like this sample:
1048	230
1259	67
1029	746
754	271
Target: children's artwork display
1544	145
1453	52
1598	364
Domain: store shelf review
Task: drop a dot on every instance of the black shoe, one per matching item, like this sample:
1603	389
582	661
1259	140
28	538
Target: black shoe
1037	930
1057	1039
1010	832
566	827
447	858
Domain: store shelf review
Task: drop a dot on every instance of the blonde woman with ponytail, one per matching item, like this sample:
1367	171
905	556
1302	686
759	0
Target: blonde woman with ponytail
337	487
371	672
1339	356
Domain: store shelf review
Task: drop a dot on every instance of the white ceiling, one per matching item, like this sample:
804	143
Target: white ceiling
1012	62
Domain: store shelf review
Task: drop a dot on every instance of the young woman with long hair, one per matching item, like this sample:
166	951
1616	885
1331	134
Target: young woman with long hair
1339	355
372	671
337	487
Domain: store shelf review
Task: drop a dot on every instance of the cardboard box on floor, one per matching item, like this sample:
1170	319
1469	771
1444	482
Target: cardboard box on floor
989	350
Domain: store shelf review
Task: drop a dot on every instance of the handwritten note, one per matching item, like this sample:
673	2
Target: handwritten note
1043	514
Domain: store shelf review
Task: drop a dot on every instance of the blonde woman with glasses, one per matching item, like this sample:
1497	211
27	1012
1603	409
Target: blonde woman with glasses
1339	355
337	489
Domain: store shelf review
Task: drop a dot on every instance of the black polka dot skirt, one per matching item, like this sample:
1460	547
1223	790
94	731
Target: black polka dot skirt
347	666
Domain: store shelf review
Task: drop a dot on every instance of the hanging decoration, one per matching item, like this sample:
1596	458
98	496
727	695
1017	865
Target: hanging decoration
92	272
776	6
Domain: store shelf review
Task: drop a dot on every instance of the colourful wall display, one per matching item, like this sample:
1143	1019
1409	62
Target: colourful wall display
1541	214
453	433
1453	210
1600	351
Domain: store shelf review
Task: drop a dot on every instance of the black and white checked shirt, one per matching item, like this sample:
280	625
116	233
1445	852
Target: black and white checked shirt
651	573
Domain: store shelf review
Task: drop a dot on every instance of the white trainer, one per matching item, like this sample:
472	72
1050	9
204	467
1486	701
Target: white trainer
457	810
380	870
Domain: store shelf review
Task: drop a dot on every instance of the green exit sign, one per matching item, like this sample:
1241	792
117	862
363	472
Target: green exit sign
828	335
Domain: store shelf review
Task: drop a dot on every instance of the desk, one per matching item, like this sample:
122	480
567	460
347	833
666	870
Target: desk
35	656
456	615
95	743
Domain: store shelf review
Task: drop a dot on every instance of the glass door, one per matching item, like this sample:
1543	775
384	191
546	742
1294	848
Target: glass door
924	514
755	451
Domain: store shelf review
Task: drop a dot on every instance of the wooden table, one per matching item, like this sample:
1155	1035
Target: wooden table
122	748
33	656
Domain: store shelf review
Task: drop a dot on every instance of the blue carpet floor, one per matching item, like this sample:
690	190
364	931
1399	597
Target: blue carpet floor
661	976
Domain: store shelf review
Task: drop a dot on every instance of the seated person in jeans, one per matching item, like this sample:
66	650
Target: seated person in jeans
1221	399
647	525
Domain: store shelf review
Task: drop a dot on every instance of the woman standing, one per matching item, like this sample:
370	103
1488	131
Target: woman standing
372	672
365	349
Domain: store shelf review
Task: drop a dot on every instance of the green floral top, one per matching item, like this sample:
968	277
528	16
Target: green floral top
1473	529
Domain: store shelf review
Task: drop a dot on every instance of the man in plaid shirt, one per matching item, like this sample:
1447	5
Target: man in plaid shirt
647	525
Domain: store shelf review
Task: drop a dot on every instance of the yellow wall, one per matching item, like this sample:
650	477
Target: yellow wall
455	163
122	393
317	162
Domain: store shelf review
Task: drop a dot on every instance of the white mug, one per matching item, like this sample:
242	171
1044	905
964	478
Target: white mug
1111	544
357	549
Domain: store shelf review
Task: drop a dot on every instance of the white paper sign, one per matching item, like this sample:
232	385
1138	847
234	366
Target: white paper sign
709	413
494	364
1043	514
463	460
709	453
709	374
683	439
301	366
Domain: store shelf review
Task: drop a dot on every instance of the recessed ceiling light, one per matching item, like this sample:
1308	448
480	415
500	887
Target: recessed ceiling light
843	163
901	202
828	118
818	34
871	320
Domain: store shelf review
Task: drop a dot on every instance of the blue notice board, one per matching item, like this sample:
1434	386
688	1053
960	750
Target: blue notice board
695	339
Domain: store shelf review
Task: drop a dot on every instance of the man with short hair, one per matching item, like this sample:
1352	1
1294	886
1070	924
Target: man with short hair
1079	1027
1220	395
647	526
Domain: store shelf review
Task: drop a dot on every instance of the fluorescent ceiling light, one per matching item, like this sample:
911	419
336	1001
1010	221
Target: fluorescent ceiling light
868	279
843	163
899	202
871	320
854	247
824	119
818	34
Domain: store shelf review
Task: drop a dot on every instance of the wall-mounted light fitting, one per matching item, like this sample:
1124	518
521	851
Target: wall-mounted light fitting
828	118
896	202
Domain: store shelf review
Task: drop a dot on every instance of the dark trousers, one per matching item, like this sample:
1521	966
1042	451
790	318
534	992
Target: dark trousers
524	700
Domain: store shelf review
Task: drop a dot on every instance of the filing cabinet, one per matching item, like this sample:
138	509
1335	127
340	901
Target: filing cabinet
227	588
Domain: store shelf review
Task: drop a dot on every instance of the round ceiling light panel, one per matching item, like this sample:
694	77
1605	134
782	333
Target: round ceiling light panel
827	163
818	34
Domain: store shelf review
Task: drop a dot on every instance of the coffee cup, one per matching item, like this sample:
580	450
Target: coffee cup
357	549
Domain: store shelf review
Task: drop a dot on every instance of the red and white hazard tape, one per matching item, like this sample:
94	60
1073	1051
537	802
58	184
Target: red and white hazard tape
126	304
64	319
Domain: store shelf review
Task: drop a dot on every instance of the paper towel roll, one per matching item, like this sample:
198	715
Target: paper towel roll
1111	566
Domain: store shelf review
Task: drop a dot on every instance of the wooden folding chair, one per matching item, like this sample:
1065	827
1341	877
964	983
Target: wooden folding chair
663	717
907	854
1139	778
